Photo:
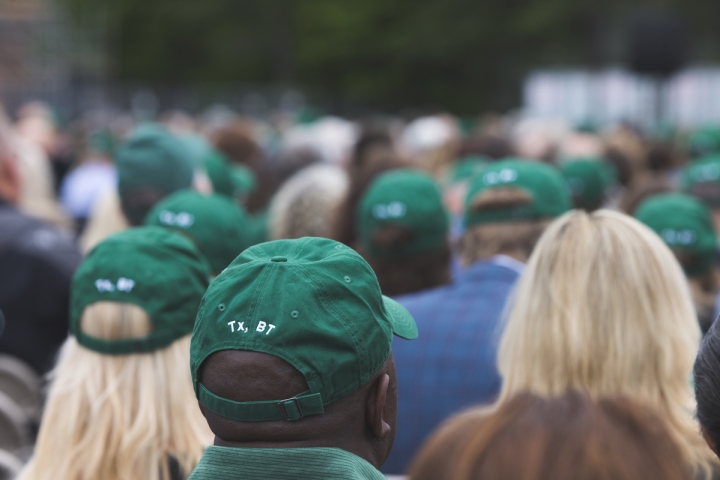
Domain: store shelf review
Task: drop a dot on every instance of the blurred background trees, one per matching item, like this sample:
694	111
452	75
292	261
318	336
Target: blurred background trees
460	55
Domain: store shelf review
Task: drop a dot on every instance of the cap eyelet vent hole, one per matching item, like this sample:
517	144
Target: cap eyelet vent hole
294	314
221	307
338	247
348	279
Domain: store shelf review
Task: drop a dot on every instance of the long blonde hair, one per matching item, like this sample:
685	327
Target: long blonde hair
604	306
118	417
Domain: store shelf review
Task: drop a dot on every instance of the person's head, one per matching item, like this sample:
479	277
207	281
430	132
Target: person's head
235	181
9	170
487	145
217	226
345	229
403	232
561	438
152	163
589	181
237	142
508	206
706	376
306	205
121	403
642	190
701	179
369	146
291	348
704	141
686	226
604	306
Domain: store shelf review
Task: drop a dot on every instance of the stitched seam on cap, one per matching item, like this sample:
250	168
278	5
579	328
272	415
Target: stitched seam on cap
345	321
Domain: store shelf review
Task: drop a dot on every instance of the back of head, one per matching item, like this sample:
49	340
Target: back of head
152	163
345	228
706	374
563	438
686	226
604	306
119	407
218	227
237	142
508	206
403	228
292	347
307	203
701	179
589	181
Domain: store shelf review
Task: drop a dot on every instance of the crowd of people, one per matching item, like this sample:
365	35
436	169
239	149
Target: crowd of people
552	288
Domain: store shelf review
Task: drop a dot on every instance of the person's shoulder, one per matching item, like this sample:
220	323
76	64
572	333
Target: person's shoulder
424	297
35	238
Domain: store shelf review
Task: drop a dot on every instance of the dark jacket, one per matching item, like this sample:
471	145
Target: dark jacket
36	267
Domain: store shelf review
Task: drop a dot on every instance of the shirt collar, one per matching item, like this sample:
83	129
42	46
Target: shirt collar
226	463
508	262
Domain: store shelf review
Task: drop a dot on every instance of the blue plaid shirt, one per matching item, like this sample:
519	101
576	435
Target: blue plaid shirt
451	365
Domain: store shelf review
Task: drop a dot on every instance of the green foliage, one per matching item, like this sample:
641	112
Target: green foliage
462	55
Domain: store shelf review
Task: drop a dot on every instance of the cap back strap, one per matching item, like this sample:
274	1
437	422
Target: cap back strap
126	346
290	409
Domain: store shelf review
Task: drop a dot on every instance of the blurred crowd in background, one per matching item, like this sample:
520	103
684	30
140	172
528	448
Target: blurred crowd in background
447	211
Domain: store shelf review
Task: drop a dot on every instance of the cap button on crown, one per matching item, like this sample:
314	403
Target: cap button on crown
278	259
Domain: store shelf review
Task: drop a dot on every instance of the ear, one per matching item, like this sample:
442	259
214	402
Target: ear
375	410
709	440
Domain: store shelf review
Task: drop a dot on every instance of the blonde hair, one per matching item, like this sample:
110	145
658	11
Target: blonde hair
118	417
604	306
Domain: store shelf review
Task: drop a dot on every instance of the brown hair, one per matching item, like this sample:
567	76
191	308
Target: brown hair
516	239
237	142
407	274
562	438
636	195
360	179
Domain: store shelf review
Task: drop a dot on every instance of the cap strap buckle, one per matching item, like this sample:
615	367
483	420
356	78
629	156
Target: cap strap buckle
290	416
292	409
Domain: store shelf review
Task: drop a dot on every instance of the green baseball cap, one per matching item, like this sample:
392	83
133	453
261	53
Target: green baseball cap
466	168
545	185
685	225
405	198
230	180
704	141
152	163
219	228
312	302
154	268
702	179
588	181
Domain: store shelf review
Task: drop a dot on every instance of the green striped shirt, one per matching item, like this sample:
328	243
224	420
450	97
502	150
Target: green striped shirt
225	463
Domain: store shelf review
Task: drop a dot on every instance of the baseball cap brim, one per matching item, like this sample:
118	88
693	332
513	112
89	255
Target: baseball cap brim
403	324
